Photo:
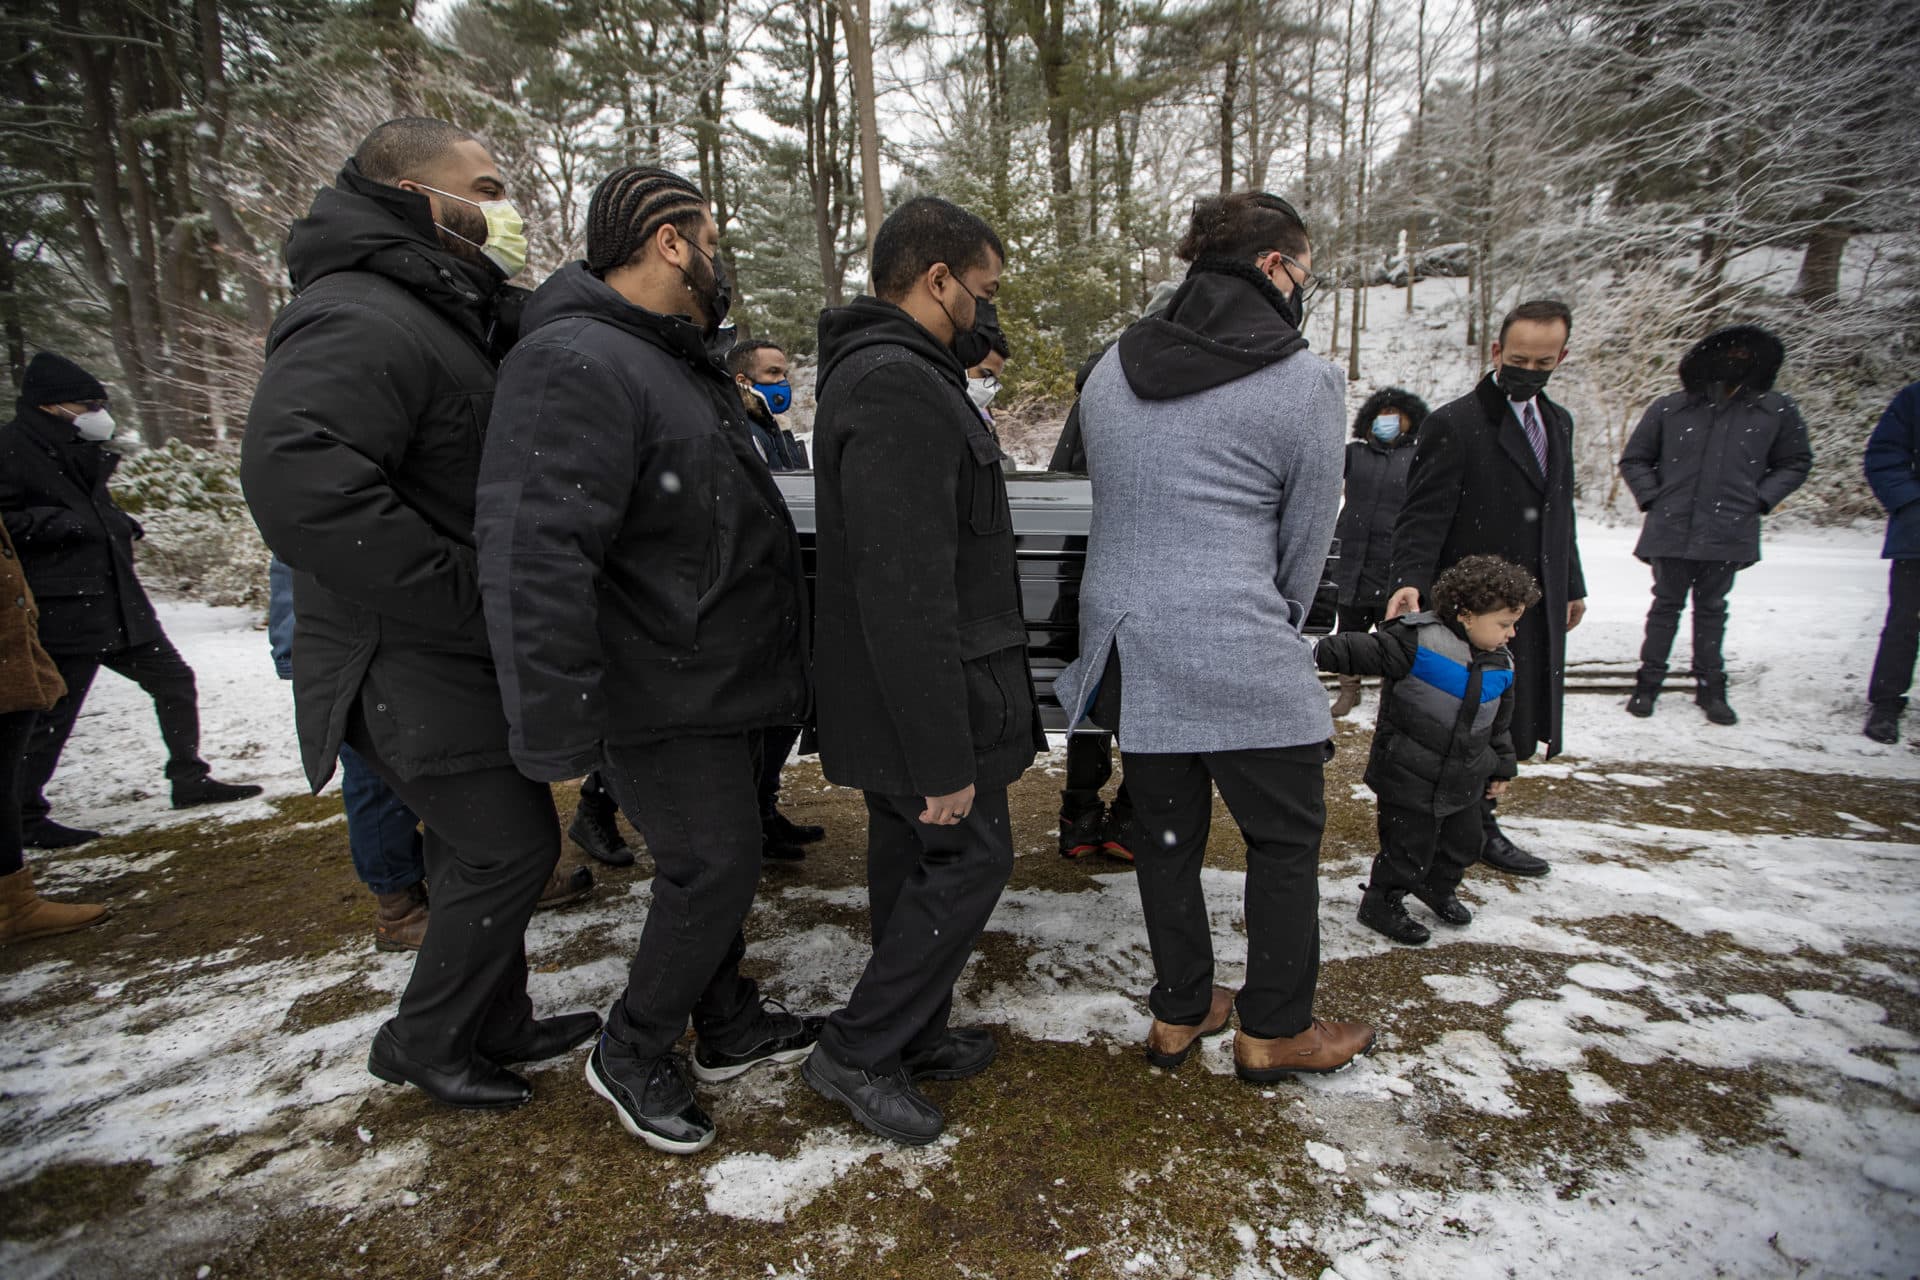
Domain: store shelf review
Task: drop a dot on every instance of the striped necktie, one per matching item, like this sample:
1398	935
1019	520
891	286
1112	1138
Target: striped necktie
1536	435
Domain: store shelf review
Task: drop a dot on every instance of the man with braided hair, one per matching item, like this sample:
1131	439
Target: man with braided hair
643	592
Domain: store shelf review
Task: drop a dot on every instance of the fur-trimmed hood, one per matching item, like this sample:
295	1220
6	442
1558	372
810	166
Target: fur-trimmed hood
1389	398
1718	358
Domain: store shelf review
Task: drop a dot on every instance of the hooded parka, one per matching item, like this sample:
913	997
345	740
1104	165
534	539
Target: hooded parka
359	462
1708	461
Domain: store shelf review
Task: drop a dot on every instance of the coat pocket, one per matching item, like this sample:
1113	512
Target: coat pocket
993	660
987	510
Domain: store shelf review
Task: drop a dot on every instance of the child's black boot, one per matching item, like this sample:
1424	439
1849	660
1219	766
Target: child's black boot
1383	911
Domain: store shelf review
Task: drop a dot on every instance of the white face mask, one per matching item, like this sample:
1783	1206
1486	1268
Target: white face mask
95	424
982	390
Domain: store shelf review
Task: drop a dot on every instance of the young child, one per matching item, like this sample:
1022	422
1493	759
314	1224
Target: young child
1442	740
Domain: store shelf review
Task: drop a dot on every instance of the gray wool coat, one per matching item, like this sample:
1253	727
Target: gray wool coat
1212	515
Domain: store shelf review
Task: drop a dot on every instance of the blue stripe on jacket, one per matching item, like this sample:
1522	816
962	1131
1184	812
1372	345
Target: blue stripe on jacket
1450	677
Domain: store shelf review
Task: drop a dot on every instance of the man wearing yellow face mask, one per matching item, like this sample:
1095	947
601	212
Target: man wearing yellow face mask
361	452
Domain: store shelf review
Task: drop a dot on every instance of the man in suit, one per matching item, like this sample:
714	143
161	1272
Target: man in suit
76	546
1493	475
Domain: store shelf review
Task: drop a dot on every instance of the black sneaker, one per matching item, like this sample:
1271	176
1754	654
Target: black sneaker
963	1052
1382	911
652	1100
787	831
1449	908
595	830
189	792
45	833
776	1036
1083	835
888	1105
1120	836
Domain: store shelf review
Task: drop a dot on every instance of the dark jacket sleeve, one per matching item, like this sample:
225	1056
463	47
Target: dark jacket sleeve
1508	765
1893	453
549	506
1789	461
1070	454
1640	461
1433	497
330	422
280	616
1387	653
900	478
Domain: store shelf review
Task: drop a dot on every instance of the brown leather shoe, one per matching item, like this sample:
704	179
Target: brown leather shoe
1322	1047
566	884
402	922
1169	1044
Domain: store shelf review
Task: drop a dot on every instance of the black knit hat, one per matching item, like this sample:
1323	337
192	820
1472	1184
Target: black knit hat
53	379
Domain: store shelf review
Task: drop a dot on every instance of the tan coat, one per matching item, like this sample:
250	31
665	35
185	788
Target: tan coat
28	679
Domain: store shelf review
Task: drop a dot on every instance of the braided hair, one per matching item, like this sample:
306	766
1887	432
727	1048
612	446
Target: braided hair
629	206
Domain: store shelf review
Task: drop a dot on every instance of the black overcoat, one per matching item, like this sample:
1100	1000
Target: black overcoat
75	544
359	463
1475	489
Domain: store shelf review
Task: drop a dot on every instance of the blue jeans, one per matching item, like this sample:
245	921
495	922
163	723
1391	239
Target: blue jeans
382	832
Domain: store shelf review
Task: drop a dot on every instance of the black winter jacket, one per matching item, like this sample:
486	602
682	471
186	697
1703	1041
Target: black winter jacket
1446	711
74	543
359	462
1705	468
1475	489
1376	486
640	572
779	446
920	648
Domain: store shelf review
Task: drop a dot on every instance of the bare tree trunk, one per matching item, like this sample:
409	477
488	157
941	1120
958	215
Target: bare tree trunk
1342	234
1360	198
1419	135
1819	280
1313	64
1229	91
859	24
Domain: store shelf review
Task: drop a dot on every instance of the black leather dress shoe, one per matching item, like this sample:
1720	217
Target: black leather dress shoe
546	1038
188	793
1503	854
787	831
478	1084
965	1051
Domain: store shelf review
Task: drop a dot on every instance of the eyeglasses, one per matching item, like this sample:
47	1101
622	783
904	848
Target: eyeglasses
1310	283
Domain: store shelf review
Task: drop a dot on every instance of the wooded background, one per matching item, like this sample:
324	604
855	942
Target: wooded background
1628	156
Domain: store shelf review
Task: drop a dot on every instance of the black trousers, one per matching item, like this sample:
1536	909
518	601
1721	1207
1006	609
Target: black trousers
776	744
1708	581
695	800
16	729
1422	850
1089	768
1900	637
930	891
492	839
1276	796
157	668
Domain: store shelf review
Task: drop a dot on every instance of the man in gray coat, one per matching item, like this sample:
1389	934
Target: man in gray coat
1214	445
1705	464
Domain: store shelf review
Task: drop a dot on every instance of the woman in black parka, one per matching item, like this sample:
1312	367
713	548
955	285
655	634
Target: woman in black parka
1377	462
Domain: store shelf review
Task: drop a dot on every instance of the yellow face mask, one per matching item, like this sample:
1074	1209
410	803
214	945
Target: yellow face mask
506	243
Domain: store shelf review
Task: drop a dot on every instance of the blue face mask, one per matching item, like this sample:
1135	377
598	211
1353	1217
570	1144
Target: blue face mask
778	395
1386	429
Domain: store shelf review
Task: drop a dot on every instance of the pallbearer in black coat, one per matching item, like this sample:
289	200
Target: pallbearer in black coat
1493	475
925	700
362	446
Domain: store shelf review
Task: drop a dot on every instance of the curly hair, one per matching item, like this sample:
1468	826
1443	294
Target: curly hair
1483	584
1240	225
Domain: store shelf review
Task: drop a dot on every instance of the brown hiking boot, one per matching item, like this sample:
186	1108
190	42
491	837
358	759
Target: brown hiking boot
566	884
1169	1044
1322	1047
25	914
402	922
1349	696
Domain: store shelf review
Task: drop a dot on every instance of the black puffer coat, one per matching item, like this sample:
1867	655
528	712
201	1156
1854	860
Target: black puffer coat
1376	486
920	648
1705	465
361	452
640	572
75	544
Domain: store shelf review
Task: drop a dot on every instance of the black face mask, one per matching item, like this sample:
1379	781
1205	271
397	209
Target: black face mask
716	294
969	345
1522	384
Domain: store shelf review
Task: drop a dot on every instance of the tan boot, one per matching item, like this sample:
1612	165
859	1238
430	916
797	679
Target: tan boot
402	922
1169	1044
1349	696
1322	1047
24	914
